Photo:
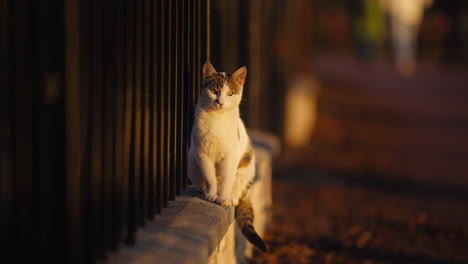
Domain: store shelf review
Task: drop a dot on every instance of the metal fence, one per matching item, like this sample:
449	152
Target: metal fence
99	99
96	105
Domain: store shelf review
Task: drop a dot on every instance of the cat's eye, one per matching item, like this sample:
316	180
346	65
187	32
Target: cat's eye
213	91
230	93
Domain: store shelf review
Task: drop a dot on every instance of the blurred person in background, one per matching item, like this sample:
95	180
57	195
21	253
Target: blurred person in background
371	29
406	17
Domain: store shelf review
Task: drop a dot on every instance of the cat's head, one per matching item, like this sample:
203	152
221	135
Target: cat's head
222	91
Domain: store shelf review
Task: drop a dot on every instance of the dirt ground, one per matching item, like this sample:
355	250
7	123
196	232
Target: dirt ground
335	221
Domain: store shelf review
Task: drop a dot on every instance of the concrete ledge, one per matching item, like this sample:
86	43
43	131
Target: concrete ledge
188	231
192	230
266	141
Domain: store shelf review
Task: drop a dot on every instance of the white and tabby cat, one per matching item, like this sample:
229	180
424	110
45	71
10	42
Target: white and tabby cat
221	159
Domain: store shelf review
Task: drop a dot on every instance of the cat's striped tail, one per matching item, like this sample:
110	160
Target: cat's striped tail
245	217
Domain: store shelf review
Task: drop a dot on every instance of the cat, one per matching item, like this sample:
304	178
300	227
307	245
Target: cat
221	159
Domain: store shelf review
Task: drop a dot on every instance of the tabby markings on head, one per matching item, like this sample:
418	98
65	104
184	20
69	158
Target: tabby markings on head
218	80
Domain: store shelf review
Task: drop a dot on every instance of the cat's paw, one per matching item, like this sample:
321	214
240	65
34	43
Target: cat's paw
235	202
211	197
224	202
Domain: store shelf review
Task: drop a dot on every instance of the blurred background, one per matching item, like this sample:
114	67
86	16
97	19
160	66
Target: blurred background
368	97
374	162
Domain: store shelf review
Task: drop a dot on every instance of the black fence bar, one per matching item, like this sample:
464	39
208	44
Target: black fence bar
6	185
185	92
108	190
193	48
137	115
181	158
146	176
177	97
118	61
131	108
21	72
156	84
203	39
74	251
151	107
171	98
164	101
84	142
96	128
198	47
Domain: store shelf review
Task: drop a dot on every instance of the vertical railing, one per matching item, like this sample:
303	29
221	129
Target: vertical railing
5	129
246	33
97	104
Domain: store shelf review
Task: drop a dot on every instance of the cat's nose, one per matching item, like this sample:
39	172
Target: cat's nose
219	103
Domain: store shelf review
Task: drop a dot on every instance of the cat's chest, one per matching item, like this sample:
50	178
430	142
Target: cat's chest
219	132
217	138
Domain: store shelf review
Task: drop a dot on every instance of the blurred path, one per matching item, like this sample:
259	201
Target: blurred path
385	178
370	118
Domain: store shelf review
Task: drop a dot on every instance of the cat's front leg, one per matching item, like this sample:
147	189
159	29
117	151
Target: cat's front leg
208	171
228	175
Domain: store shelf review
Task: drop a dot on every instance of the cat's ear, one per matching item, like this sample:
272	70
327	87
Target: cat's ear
239	76
208	70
